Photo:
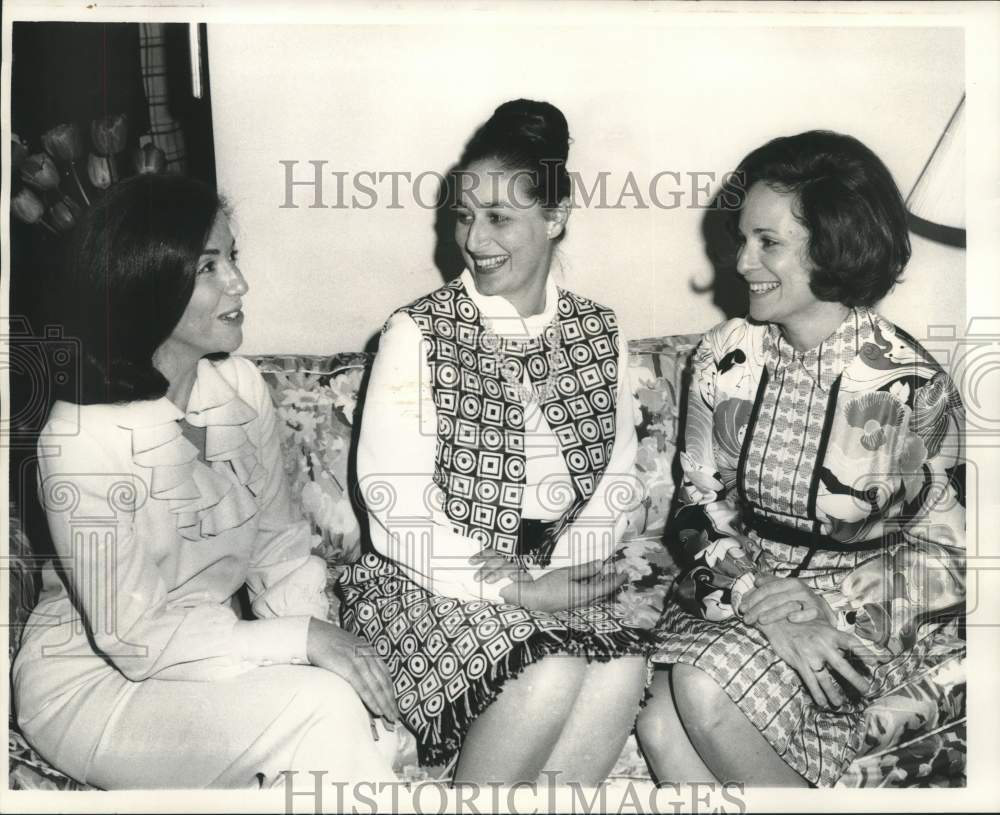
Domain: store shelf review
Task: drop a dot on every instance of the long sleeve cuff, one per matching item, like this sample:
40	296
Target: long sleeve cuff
297	587
277	641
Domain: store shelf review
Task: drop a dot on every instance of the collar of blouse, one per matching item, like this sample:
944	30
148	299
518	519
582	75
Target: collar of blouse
826	361
502	318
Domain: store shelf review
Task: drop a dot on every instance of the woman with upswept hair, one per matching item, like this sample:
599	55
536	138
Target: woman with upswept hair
497	429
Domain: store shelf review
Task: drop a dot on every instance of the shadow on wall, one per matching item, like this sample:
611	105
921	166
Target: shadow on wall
721	241
447	257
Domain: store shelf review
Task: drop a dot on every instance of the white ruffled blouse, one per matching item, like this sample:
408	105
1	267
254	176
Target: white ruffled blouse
153	542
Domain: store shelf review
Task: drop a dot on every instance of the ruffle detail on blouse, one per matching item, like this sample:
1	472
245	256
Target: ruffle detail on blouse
204	501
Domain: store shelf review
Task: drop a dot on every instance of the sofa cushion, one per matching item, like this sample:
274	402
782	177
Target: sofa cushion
656	372
318	404
934	759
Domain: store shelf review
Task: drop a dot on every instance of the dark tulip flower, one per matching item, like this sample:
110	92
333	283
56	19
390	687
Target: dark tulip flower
27	206
109	133
62	216
18	153
64	142
99	171
40	171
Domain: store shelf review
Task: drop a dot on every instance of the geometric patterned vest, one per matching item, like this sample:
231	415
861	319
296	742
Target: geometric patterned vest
479	464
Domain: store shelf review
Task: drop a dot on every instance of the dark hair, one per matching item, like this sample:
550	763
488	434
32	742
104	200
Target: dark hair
529	136
845	196
130	274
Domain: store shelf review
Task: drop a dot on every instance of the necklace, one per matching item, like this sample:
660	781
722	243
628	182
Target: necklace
528	393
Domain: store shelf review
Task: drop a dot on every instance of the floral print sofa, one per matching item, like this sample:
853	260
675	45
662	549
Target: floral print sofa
915	738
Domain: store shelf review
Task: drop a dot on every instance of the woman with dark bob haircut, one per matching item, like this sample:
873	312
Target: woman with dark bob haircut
859	242
135	669
496	441
821	513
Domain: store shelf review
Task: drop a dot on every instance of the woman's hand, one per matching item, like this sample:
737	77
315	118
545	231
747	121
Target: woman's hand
780	598
813	649
566	587
331	647
496	567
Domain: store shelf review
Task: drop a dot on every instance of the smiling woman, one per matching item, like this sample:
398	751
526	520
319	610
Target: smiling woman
506	244
497	429
513	202
131	273
822	477
774	261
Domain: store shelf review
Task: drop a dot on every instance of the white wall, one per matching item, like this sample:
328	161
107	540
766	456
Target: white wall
645	99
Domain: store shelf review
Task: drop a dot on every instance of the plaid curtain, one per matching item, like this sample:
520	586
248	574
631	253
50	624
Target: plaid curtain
164	131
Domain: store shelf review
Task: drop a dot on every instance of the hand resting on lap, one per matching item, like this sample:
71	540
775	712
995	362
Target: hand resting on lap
779	598
814	649
331	647
566	587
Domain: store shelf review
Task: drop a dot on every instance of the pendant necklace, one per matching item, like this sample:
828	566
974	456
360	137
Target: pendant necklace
528	393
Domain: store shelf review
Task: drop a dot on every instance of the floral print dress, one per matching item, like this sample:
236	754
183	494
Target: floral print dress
842	466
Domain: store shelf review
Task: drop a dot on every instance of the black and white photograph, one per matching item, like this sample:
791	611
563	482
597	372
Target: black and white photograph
501	407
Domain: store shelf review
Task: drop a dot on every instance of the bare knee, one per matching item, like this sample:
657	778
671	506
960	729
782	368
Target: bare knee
609	697
554	675
543	694
510	740
700	700
656	719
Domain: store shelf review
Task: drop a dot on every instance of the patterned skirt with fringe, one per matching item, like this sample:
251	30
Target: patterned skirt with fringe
449	658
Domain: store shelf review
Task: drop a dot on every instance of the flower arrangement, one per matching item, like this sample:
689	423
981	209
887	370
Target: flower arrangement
41	199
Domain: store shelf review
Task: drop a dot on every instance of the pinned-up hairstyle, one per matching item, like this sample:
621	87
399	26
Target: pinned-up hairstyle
527	136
